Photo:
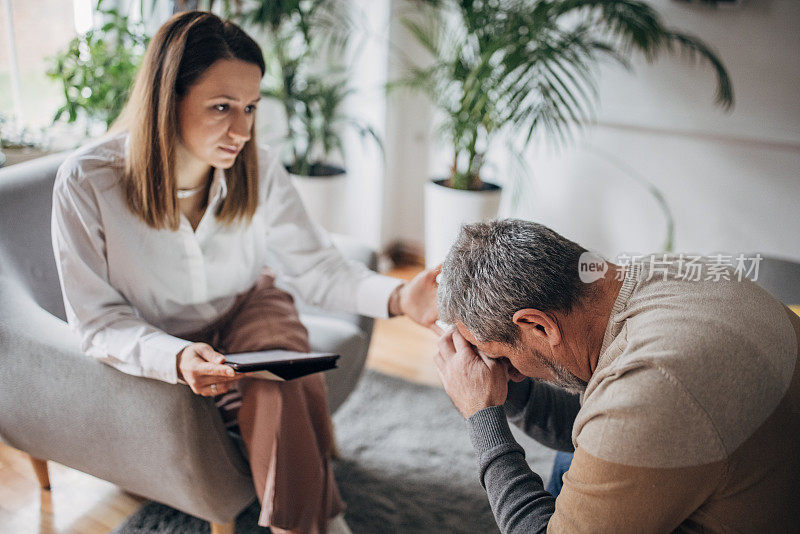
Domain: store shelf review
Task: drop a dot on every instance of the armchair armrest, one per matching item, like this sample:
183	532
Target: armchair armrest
345	333
151	438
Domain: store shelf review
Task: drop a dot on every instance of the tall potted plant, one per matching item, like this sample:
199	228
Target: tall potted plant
304	43
510	69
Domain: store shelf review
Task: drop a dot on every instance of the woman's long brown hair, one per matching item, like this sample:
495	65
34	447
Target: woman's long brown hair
180	52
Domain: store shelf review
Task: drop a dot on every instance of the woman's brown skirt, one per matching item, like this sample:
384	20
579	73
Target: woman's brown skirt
285	425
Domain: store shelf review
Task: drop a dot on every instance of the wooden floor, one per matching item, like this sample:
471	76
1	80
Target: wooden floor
80	503
400	347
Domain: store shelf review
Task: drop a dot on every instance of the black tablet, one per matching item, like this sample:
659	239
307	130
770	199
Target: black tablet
281	364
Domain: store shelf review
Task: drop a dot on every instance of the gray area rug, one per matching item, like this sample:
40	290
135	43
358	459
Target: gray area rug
407	467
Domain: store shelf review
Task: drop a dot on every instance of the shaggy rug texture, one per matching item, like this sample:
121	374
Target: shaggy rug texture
407	467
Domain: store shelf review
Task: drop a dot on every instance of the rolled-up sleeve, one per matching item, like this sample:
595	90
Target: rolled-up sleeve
307	259
110	328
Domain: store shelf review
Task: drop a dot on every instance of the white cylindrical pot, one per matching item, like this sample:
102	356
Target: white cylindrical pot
325	199
447	209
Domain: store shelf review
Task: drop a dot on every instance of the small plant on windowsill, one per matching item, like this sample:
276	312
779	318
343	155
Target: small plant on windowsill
20	142
97	70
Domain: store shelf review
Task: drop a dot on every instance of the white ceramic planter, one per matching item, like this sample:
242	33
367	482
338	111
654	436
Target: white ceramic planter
446	210
325	199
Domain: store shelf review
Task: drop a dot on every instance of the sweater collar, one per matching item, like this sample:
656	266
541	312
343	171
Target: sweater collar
614	325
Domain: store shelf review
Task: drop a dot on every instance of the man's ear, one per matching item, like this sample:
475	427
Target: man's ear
539	324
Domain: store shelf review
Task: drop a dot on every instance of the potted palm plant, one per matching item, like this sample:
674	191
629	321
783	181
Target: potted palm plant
512	69
304	42
316	120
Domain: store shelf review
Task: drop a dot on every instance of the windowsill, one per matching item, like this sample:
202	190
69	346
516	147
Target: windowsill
19	155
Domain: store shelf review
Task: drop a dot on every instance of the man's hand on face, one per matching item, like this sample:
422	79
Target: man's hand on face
472	381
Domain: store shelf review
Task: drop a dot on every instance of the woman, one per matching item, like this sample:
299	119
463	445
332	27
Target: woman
162	232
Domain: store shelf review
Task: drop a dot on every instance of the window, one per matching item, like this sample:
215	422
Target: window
35	31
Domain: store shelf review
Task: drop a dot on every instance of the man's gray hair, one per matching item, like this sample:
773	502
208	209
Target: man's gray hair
499	267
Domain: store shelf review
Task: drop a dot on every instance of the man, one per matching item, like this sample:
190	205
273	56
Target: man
681	399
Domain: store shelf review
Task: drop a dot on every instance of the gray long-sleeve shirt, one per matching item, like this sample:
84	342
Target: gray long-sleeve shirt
516	494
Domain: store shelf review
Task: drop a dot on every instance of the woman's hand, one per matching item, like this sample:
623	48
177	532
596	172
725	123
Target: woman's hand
417	299
202	368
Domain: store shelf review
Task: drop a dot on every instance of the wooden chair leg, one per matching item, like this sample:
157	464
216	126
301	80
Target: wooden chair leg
223	528
40	468
335	452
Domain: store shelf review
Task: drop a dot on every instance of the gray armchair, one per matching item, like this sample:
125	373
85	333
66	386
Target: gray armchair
781	277
150	438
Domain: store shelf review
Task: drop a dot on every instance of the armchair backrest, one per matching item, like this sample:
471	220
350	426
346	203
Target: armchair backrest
26	252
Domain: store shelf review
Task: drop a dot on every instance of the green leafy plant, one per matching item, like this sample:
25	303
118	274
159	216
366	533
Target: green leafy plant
525	66
317	123
304	41
97	69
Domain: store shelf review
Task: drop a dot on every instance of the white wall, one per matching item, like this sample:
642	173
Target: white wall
408	140
732	180
365	161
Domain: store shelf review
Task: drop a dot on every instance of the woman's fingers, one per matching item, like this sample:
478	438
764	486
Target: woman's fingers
213	390
214	369
209	354
213	385
206	380
201	367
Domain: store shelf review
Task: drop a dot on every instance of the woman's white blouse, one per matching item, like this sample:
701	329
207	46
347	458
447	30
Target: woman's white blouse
130	291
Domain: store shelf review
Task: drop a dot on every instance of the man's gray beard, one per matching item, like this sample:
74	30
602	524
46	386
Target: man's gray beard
564	379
